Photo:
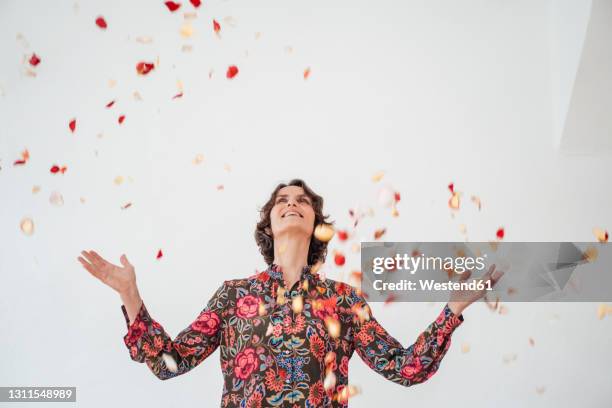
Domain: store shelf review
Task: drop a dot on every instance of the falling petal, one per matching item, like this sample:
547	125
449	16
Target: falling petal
324	232
531	342
297	304
220	187
378	176
170	362
101	22
172	6
35	189
178	95
198	159
216	27
306	73
500	233
34	60
57	169
143	68
159	254
25	156
72	125
118	180
386	197
379	233
56	199
339	258
342	235
330	381
186	30
476	201
125	206
121	119
111	103
27	226
465	348
600	234
195	3
333	327
454	201
232	71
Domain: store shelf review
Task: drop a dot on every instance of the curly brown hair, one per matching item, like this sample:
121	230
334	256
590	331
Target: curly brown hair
263	232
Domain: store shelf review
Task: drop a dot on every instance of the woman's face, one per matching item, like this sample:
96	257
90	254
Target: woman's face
292	211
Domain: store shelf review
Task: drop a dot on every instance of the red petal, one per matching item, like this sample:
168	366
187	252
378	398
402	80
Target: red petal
101	22
34	60
306	73
500	233
232	71
55	169
216	26
178	95
143	68
72	125
196	3
18	162
111	103
339	259
172	6
342	235
451	187
159	254
121	119
397	197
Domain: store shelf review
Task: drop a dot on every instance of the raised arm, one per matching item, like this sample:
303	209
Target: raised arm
405	366
148	342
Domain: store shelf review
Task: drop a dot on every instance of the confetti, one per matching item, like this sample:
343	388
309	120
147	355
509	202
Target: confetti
216	27
110	104
35	189
159	254
170	362
143	68
121	119
34	60
57	169
342	235
27	226
600	234
306	73
500	233
232	71
72	125
324	232
465	348
297	304
476	201
379	233
220	187
531	342
56	199
378	176
198	159
339	258
178	95
186	30
195	3
118	180
126	206
101	22
25	156
172	6
347	392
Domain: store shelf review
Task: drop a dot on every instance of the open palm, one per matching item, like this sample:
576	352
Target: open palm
120	278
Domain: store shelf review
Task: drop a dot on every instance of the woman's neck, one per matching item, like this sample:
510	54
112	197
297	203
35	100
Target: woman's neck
291	254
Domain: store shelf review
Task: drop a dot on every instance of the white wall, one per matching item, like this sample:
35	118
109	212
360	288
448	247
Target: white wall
429	92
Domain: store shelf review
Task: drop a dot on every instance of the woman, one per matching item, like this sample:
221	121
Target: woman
286	334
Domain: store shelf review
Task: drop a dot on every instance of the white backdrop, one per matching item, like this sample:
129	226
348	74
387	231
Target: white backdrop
429	93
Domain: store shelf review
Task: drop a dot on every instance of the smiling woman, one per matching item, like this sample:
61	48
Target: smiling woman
286	334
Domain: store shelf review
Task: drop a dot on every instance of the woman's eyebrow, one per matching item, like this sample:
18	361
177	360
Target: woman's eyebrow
287	195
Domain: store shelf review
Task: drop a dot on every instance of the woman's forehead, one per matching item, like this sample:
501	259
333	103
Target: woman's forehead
290	190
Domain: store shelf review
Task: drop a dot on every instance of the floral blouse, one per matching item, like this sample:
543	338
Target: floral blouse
288	347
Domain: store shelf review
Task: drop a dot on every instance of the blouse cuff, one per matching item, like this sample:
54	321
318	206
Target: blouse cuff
138	326
449	319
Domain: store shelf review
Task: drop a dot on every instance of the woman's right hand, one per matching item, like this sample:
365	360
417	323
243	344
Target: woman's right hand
121	279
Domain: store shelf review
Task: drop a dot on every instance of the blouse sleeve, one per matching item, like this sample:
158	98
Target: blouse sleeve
405	366
148	342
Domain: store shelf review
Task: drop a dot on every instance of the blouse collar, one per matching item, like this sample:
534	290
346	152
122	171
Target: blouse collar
275	272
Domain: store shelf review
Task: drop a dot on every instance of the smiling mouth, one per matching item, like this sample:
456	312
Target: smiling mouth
292	214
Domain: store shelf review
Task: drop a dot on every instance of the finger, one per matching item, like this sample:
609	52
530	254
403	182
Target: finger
90	268
87	256
124	261
496	277
97	257
465	275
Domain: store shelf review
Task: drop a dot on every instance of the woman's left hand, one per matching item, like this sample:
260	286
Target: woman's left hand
460	299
